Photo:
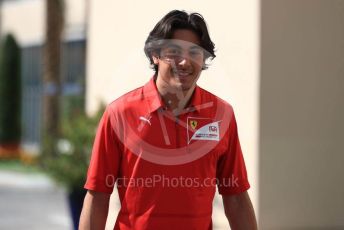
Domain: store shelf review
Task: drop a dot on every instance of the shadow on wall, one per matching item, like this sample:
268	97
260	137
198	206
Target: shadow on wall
302	115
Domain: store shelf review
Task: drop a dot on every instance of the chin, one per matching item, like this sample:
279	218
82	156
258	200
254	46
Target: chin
186	86
184	83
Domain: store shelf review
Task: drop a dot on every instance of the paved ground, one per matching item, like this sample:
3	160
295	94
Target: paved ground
31	202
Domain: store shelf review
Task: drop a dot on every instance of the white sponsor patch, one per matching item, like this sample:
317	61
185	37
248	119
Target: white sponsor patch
209	131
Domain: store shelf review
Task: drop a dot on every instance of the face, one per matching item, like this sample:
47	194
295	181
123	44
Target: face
180	61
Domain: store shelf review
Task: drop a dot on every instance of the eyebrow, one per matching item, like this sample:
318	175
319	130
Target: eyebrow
173	46
179	47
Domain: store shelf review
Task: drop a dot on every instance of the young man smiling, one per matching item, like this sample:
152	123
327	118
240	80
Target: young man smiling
169	143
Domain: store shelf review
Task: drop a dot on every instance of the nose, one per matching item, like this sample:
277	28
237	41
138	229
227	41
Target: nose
184	60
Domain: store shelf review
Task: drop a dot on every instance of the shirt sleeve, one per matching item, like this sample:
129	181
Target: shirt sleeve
104	164
231	170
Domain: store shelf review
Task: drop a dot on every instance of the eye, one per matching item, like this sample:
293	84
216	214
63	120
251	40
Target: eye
195	52
173	51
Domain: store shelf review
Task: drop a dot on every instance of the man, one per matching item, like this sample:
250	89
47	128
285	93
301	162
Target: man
168	144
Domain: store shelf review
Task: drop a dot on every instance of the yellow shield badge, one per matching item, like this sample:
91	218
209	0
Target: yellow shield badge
193	124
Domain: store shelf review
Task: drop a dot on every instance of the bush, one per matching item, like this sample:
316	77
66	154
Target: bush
10	92
69	167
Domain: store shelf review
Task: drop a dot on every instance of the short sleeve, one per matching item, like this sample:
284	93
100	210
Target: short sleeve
104	164
231	170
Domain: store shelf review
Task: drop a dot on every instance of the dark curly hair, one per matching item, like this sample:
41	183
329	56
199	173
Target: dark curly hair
172	21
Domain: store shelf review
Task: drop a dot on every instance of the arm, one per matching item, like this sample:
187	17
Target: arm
239	211
95	210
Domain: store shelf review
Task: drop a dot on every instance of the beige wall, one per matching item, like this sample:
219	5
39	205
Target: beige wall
116	62
302	115
26	20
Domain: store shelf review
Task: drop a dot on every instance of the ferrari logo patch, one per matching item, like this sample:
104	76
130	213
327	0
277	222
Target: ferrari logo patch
193	124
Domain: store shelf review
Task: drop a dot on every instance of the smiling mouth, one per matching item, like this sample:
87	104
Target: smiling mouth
182	74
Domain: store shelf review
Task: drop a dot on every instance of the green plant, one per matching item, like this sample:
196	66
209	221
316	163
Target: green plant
70	165
10	91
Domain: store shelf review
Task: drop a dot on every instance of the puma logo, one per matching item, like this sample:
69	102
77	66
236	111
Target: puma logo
146	119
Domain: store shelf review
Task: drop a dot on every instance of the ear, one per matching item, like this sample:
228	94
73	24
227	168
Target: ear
155	58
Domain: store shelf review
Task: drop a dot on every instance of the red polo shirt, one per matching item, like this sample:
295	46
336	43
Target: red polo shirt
166	168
